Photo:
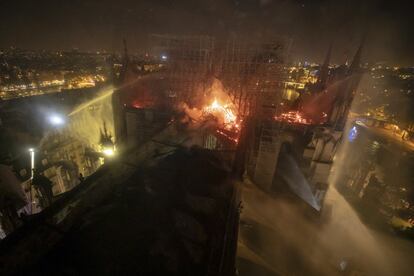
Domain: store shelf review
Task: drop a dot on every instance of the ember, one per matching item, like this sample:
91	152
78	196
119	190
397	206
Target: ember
294	117
224	113
227	135
231	125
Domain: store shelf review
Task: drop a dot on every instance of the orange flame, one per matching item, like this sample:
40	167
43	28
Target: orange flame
222	112
294	117
231	125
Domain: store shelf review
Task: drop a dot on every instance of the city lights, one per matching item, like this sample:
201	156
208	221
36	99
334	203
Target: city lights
207	137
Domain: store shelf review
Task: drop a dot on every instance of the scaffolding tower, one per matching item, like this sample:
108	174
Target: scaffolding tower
189	62
253	72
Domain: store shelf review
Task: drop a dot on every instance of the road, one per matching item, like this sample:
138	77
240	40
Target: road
389	136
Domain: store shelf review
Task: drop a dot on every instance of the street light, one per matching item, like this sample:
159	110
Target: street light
108	152
56	120
32	166
32	161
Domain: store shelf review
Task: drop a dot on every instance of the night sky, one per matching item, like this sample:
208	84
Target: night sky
101	24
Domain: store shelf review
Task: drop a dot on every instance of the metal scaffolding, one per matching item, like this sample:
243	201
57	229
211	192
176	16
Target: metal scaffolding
252	71
189	62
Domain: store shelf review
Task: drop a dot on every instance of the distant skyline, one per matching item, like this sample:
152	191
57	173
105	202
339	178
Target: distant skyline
312	24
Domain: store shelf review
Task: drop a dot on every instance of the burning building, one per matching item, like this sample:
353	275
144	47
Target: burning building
225	98
238	86
296	148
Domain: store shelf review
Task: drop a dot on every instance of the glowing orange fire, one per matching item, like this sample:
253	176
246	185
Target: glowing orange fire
233	137
226	116
223	112
294	117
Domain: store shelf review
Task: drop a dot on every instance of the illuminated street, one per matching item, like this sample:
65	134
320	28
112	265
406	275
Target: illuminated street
393	137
